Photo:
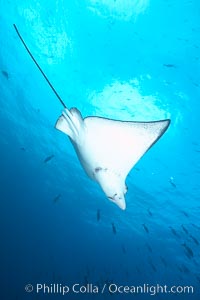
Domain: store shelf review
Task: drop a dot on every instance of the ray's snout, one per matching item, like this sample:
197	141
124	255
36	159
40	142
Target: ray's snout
119	200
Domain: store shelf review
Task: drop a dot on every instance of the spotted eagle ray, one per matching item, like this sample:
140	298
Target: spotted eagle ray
107	149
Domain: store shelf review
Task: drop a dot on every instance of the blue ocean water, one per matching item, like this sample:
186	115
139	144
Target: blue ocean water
135	60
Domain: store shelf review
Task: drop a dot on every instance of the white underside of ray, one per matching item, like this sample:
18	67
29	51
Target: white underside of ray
119	145
111	145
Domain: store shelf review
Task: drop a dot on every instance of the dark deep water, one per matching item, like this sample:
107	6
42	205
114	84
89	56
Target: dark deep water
123	59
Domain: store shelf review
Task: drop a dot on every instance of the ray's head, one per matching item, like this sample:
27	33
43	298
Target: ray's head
113	186
119	200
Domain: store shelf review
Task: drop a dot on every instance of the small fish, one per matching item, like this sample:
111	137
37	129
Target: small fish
57	198
185	214
184	229
171	180
198	278
5	74
174	231
180	277
180	269
48	158
114	228
149	212
169	65
187	254
137	269
153	267
145	228
136	169
149	248
163	261
189	250
185	269
123	249
195	240
98	215
195	226
86	281
23	149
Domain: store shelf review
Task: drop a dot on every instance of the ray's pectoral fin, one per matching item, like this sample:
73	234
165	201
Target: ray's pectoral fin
70	123
117	146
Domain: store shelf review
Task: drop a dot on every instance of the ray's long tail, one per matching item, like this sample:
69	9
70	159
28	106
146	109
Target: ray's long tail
38	66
